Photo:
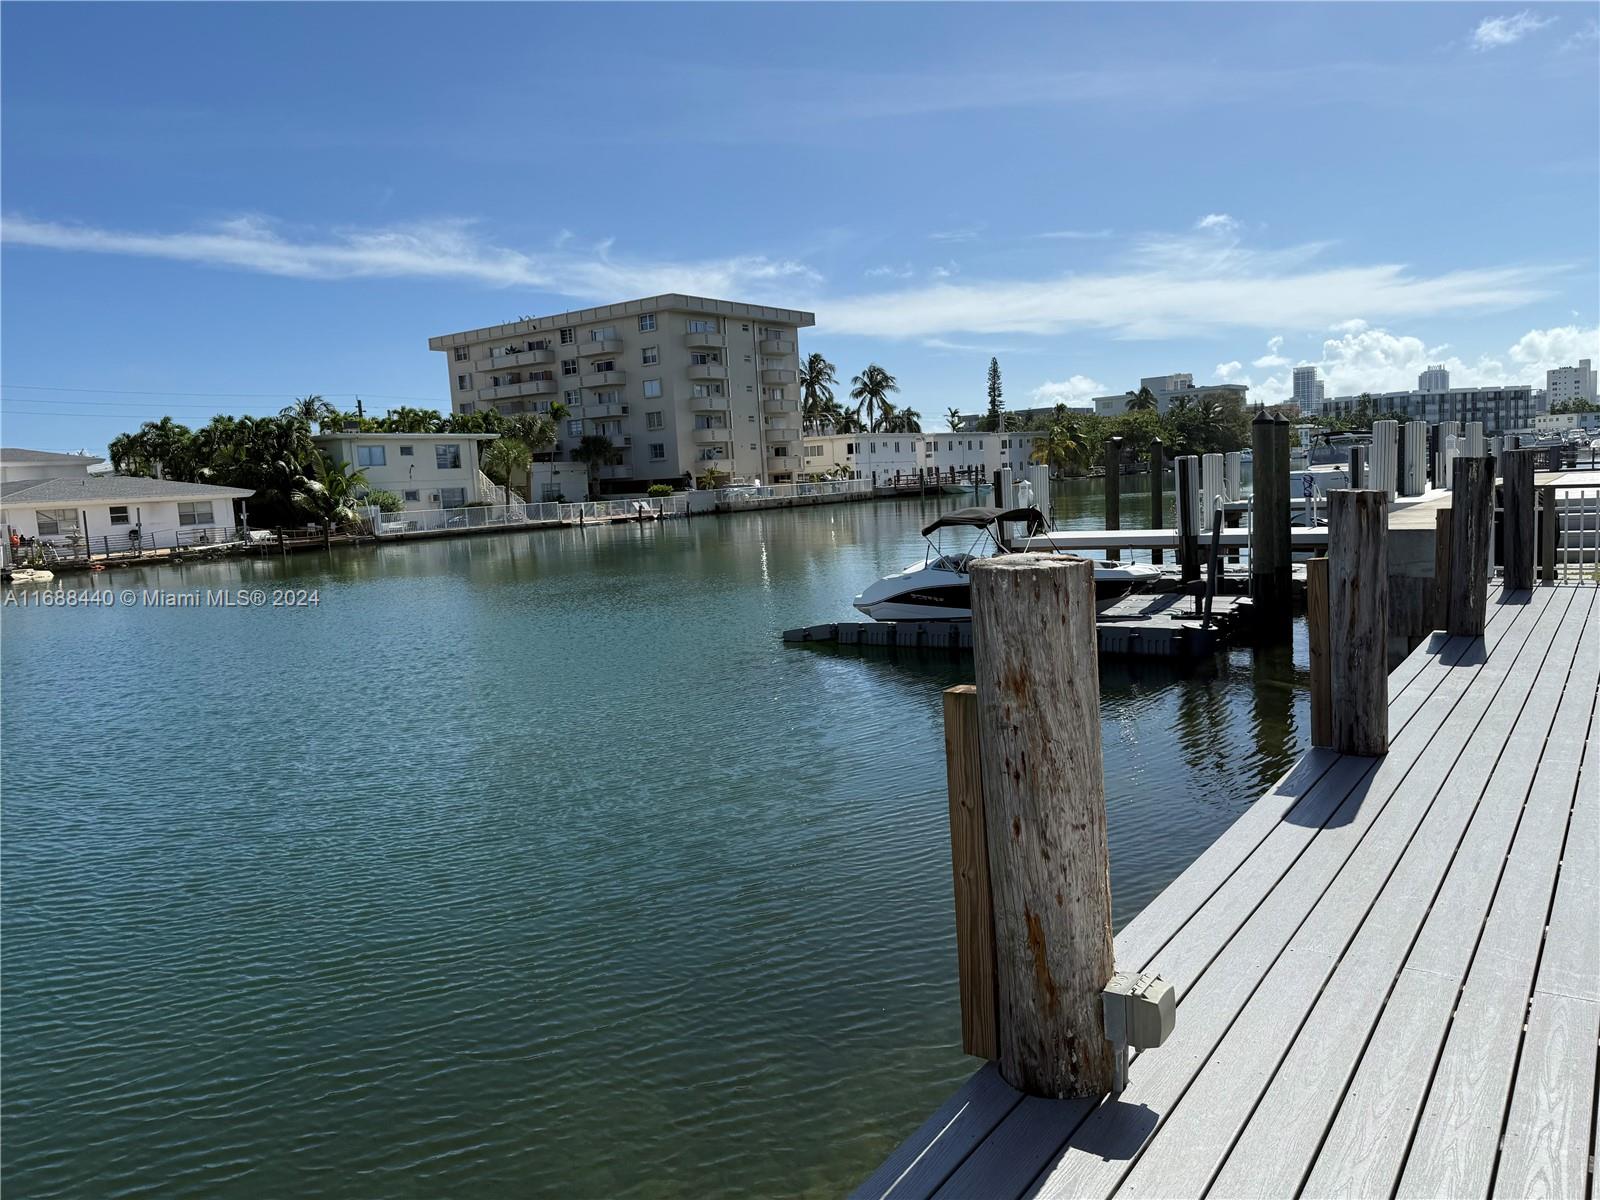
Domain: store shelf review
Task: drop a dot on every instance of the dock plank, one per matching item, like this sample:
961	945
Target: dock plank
921	1164
1451	867
1105	1146
1546	1150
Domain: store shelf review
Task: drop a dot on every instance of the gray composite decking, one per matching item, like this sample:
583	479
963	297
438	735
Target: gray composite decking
1388	969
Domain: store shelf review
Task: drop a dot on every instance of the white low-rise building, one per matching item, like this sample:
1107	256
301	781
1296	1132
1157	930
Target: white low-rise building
426	470
1170	390
52	498
1566	384
885	455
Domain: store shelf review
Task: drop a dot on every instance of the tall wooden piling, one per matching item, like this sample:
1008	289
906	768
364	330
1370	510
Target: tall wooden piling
1186	486
1442	543
1471	522
1357	467
1269	526
1317	630
1519	539
1549	533
969	862
1358	619
1113	483
1034	654
1158	503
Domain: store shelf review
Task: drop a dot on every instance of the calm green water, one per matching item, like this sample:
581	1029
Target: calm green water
524	865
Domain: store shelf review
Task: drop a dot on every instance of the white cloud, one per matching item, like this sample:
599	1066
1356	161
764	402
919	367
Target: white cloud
1226	372
1562	346
965	234
1585	36
1271	358
1220	222
427	250
1353	325
887	272
1073	390
1493	32
1075	234
944	272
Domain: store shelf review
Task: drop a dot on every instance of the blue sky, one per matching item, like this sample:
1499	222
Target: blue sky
214	208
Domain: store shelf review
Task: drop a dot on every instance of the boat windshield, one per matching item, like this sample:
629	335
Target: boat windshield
936	559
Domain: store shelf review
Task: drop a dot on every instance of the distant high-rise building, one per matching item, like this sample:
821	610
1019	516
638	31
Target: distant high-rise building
1434	379
1308	389
1564	384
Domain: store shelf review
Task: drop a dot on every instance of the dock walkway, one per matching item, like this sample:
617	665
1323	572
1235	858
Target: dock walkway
1388	969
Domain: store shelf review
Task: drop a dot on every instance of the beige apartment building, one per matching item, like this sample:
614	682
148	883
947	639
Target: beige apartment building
678	384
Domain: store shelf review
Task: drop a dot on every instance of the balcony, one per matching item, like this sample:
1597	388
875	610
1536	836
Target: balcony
707	403
712	437
776	347
783	462
600	379
777	376
704	341
591	349
780	406
782	429
510	391
508	362
593	411
620	471
708	371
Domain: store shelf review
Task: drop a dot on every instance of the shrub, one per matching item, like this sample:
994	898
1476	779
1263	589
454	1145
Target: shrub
386	501
659	489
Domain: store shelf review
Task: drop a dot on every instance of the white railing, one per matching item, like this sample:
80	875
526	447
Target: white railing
511	516
1577	557
737	496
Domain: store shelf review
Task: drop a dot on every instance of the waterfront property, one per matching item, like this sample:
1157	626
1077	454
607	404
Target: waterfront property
1170	390
885	455
426	470
1509	407
53	499
680	385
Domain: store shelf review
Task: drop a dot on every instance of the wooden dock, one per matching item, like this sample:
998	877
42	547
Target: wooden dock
1160	625
1388	969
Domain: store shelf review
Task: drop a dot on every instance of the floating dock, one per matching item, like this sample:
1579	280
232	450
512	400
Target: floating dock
1388	972
1162	625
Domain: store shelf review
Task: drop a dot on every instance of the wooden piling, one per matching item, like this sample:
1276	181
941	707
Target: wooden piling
1441	568
1158	503
1549	533
1269	526
1317	628
1358	620
1357	469
1034	654
1113	483
969	864
1471	522
1186	481
1519	540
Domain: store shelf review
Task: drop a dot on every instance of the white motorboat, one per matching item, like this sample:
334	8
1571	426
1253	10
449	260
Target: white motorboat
939	588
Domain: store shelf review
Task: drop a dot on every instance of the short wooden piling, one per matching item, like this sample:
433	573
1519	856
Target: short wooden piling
1441	568
1317	629
1549	533
1034	654
1158	502
969	864
1519	540
1471	524
1358	620
1113	483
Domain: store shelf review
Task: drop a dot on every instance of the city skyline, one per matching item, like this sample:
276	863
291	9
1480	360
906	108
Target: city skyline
937	185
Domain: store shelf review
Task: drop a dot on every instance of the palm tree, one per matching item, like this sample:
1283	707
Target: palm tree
312	409
505	457
1064	446
1145	401
1209	410
952	418
538	433
816	390
597	450
886	418
870	390
1180	404
903	420
412	420
165	445
331	496
848	422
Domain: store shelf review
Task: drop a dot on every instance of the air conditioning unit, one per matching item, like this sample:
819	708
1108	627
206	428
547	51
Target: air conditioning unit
433	497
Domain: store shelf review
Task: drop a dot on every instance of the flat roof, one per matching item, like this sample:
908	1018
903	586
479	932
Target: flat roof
668	302
10	454
114	489
404	437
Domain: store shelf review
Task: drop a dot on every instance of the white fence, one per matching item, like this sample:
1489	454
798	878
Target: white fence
511	516
736	496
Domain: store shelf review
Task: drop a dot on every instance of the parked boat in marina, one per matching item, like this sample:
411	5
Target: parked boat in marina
939	587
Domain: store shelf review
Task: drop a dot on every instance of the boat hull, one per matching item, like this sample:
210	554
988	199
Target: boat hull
952	601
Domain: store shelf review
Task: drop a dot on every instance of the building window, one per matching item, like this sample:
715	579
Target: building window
651	355
705	358
194	512
575	427
569	366
603	335
813	451
605	364
703	390
777	393
412	495
407	451
647	322
652	389
568	336
658	450
654	420
571	397
370	456
447	457
463	382
462	354
53	522
452	497
119	514
468	408
703	325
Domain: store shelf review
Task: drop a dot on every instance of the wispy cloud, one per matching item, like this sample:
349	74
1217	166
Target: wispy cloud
1075	235
1075	390
450	249
1219	222
966	233
888	272
1494	32
1271	358
1583	38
